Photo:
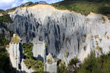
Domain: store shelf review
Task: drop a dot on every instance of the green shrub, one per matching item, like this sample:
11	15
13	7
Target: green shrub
73	61
105	33
96	36
84	47
100	40
90	65
61	68
96	43
95	65
103	19
98	48
27	47
49	61
83	41
84	35
34	64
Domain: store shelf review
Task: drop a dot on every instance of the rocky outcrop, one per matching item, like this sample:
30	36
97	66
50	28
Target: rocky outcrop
39	50
16	55
51	64
67	34
15	52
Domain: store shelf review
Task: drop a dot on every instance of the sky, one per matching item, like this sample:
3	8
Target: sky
7	4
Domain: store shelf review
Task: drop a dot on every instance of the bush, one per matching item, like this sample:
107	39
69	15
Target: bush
61	68
90	65
34	64
27	47
73	61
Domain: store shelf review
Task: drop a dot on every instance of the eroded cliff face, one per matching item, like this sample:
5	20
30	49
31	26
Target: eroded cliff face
67	34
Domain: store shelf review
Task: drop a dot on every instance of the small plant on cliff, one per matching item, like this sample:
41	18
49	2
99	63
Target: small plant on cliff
100	40
84	35
105	33
84	47
108	37
83	41
96	43
96	36
98	48
73	61
103	19
49	61
66	55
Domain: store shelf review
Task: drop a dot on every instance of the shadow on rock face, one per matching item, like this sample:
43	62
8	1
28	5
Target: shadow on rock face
39	58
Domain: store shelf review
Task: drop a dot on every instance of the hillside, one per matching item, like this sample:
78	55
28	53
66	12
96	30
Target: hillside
85	7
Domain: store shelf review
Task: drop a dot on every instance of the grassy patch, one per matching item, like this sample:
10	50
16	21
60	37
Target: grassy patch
15	39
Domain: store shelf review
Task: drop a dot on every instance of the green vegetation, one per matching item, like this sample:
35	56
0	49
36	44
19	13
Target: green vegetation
96	43
103	19
96	65
100	40
66	54
49	61
83	41
90	65
15	39
84	47
4	59
5	18
98	48
108	37
73	61
30	61
61	68
27	47
96	36
85	7
34	64
84	35
105	33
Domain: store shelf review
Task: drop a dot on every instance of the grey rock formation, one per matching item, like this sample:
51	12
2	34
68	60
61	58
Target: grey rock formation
15	52
67	34
50	65
39	50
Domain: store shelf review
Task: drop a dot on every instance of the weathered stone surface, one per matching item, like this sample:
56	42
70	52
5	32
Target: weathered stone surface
39	50
63	31
51	64
15	53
